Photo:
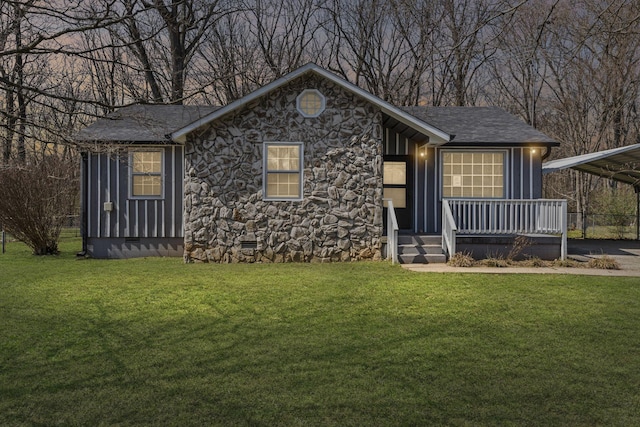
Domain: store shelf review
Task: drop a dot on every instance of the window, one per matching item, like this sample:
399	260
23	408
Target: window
146	173
394	181
283	171
477	174
310	103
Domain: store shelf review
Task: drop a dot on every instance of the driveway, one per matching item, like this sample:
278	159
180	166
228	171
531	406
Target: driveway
626	252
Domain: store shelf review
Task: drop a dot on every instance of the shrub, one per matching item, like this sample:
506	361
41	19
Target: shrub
568	263
35	200
534	262
520	243
604	262
460	259
494	262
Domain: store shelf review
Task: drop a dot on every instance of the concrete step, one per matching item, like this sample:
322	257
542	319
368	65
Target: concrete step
420	249
422	259
427	240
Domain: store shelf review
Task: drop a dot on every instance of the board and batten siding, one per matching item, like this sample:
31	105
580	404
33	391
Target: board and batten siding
523	181
108	180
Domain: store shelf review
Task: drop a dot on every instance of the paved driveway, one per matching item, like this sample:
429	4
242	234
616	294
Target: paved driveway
626	252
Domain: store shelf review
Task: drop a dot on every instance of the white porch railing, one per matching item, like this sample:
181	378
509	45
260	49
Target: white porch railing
539	216
449	230
392	233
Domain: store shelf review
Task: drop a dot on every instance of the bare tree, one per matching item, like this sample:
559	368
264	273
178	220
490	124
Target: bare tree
594	76
518	70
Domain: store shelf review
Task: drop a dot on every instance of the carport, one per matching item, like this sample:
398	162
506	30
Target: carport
620	164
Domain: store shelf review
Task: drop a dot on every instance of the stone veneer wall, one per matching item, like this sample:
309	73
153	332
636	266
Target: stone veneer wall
340	216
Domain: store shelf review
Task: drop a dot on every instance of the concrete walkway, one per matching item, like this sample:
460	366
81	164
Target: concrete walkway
626	252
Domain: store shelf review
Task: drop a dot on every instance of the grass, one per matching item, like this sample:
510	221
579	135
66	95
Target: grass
157	342
603	232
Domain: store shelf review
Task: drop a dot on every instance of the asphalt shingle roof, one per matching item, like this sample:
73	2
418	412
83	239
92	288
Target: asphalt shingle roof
143	123
480	125
469	125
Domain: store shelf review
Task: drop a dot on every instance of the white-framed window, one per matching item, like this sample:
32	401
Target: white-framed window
283	165
310	103
394	181
146	173
474	174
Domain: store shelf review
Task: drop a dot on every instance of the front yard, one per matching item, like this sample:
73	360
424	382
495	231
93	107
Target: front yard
157	342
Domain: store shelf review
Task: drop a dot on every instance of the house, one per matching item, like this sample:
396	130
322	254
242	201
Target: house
309	168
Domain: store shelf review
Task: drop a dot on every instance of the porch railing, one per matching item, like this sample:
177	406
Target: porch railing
535	216
449	231
392	233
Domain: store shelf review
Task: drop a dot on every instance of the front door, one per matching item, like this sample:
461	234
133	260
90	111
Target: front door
396	181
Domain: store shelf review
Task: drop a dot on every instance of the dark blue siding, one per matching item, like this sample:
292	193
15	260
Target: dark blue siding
108	181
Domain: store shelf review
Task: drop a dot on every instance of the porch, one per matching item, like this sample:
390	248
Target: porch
486	222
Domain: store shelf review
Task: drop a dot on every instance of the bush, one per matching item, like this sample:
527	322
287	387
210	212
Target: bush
534	262
35	200
494	261
604	262
460	259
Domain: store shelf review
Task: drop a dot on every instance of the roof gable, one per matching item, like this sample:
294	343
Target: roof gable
436	135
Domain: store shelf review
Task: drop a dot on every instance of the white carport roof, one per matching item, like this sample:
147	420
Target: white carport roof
620	164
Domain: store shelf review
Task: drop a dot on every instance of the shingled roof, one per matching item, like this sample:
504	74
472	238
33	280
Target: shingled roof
143	123
480	126
467	125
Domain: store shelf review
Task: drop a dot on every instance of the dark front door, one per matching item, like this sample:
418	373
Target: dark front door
396	181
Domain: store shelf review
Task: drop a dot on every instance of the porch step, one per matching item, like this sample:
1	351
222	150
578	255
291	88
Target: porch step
415	249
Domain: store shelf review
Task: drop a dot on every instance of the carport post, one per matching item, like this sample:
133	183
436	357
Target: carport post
563	222
638	213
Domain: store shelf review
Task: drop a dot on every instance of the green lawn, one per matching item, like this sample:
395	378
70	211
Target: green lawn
157	342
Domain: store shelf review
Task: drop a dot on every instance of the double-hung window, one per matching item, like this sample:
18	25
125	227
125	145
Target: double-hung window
473	174
146	173
283	171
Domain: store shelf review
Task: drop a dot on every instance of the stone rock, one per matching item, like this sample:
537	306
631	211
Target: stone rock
340	216
330	219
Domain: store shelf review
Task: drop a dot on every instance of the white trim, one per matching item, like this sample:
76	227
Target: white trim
570	162
265	170
145	149
436	135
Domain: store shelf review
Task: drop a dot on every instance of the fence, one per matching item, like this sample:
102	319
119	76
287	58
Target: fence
602	226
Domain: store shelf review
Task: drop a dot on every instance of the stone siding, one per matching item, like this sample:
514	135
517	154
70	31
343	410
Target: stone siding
340	216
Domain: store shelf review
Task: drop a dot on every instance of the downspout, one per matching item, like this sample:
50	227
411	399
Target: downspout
546	154
83	202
